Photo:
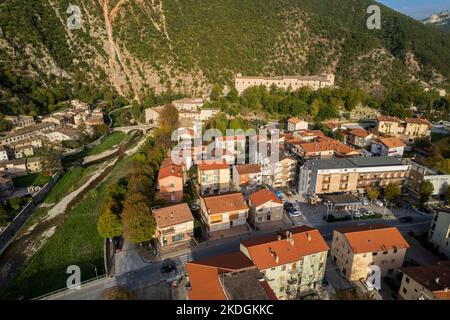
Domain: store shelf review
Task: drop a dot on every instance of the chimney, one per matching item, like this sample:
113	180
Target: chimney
279	237
276	258
308	235
437	280
287	235
171	215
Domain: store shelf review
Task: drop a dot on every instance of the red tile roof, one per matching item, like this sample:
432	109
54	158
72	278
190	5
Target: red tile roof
373	238
295	120
263	196
392	142
204	275
264	251
248	168
205	166
225	203
170	170
418	121
173	215
388	119
360	133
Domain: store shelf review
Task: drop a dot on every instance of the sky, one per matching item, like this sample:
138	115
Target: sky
418	9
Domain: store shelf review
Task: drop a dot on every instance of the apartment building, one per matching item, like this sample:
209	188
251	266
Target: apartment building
242	83
26	133
392	147
439	234
419	173
355	248
20	167
61	134
247	177
24	151
174	224
430	282
4	153
227	277
307	135
170	182
358	137
223	212
323	148
214	178
294	124
292	261
349	175
407	130
20	121
265	206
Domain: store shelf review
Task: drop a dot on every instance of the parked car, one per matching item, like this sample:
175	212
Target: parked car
364	201
168	269
378	203
279	195
295	213
407	219
195	206
423	211
329	218
366	212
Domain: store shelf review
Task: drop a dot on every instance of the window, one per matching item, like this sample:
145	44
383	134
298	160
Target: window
283	268
374	253
407	280
385	252
395	250
405	291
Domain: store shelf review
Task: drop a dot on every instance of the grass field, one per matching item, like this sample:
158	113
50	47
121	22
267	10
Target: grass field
75	242
34	179
108	143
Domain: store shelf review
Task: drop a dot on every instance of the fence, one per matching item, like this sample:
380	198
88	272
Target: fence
12	230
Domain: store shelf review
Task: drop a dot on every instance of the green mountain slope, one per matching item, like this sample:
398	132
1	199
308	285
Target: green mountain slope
133	46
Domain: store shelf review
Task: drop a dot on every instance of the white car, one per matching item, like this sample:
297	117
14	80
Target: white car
295	213
364	201
378	203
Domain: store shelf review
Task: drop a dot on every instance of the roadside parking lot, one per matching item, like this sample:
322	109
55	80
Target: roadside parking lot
313	215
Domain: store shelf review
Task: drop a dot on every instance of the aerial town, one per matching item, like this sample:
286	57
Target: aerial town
210	153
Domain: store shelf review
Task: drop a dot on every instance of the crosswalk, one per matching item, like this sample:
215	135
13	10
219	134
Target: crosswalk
182	259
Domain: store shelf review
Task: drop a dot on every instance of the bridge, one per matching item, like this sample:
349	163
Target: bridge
142	127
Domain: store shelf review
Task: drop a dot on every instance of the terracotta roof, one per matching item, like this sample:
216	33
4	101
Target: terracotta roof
169	216
225	203
327	144
263	196
418	121
205	166
360	133
310	133
171	170
388	119
248	168
264	251
295	120
204	275
392	142
373	238
435	278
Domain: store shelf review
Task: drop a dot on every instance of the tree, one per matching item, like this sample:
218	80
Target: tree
426	189
372	193
4	216
109	225
233	95
138	223
50	160
392	191
216	92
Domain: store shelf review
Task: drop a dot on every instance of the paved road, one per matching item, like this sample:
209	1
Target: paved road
151	274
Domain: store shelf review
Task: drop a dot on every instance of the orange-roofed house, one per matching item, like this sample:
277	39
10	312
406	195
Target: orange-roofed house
224	212
174	224
214	178
265	206
294	124
417	128
247	177
228	277
358	137
324	148
389	125
292	261
388	147
355	248
170	182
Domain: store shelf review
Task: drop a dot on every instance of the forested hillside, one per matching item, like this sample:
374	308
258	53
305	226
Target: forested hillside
127	48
